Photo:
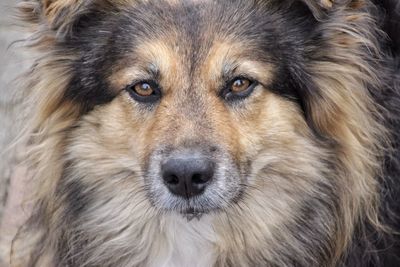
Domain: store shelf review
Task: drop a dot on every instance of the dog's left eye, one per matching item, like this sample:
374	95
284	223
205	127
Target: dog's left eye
238	88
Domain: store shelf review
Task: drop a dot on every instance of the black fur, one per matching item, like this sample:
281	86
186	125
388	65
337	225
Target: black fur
383	249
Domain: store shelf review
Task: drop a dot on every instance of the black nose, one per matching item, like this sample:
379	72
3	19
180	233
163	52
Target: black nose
187	176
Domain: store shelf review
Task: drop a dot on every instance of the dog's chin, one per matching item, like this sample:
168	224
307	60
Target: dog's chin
195	210
191	213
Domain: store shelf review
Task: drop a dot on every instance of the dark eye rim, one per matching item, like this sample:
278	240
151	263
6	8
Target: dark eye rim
154	97
228	95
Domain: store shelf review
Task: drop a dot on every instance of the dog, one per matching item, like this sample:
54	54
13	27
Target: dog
212	133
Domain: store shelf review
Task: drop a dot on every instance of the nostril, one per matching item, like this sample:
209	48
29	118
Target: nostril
199	178
174	179
171	179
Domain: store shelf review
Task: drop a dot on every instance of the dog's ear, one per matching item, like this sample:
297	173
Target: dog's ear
320	8
57	16
61	17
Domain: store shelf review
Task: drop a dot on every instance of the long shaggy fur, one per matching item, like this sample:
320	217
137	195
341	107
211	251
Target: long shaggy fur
332	157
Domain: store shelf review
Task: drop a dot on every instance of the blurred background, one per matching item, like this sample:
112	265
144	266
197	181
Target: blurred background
14	60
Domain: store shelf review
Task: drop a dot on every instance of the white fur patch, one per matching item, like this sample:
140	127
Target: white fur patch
185	243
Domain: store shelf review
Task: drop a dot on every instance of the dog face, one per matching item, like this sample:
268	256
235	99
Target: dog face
203	108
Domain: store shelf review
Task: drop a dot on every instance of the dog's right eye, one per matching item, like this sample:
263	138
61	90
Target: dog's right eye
144	91
238	88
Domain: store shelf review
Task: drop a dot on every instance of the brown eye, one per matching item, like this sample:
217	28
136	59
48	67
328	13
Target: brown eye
238	88
145	91
240	85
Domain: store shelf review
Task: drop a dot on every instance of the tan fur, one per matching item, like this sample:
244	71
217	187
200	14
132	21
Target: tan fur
343	116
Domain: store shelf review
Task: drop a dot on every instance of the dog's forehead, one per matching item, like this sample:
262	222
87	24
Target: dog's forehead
189	35
196	23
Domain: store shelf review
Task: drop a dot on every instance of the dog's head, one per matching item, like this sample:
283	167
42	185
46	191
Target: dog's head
256	109
197	101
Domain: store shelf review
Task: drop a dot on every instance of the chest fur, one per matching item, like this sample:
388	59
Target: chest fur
184	243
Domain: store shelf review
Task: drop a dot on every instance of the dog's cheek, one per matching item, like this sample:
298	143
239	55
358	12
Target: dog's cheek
109	141
269	123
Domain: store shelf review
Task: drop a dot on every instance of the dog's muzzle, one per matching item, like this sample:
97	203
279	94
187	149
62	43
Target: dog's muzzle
192	180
